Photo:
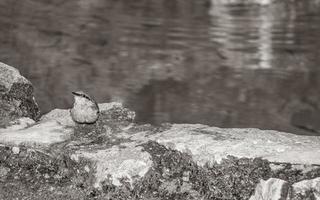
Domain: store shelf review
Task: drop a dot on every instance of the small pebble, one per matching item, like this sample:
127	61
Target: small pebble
186	176
4	171
75	158
87	169
15	150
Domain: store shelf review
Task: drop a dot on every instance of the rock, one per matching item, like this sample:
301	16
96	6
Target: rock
15	150
307	188
16	96
272	189
3	171
18	124
43	134
60	115
212	144
116	163
115	158
112	110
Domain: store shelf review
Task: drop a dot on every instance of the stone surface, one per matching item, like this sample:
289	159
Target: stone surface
18	124
271	189
116	158
60	115
37	135
127	162
306	188
213	144
3	171
16	96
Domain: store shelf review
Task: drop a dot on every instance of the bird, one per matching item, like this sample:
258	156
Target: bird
85	109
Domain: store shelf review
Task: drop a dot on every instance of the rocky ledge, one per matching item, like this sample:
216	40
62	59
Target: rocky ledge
115	158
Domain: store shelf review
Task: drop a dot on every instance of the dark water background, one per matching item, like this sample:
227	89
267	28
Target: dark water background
181	61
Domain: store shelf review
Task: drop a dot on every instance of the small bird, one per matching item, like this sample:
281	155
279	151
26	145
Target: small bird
85	110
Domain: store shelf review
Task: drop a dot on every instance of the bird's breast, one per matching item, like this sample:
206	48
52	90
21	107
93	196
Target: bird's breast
84	111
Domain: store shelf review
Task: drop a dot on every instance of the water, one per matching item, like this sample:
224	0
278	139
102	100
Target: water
179	61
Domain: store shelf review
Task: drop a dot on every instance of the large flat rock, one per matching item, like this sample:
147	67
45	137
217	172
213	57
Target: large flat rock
116	156
213	144
204	143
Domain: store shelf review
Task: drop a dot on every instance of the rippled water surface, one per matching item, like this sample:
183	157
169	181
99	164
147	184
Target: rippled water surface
181	61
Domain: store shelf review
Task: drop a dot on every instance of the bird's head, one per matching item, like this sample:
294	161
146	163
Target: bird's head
80	96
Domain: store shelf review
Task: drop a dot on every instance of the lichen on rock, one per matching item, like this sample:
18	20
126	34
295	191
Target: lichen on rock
307	189
16	96
275	189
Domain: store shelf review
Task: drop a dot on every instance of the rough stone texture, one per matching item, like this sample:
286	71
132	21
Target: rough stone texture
307	189
272	189
42	134
16	96
127	161
115	158
212	144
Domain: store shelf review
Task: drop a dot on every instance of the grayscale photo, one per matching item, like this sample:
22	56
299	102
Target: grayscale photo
159	99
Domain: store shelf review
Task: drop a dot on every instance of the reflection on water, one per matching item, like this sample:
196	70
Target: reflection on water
182	61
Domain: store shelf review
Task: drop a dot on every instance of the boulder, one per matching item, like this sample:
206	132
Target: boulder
16	96
307	189
272	189
116	158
